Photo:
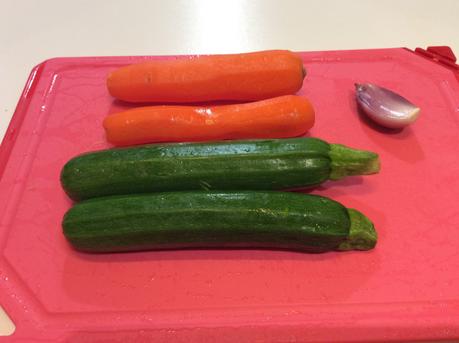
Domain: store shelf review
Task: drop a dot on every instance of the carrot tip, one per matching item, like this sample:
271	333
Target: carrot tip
303	71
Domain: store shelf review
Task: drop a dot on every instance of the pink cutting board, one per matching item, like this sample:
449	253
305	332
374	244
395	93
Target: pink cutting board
405	289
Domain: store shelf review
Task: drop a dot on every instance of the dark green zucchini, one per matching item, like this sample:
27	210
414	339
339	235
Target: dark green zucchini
248	165
216	219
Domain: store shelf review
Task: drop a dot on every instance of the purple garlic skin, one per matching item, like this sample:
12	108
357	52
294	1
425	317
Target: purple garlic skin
385	107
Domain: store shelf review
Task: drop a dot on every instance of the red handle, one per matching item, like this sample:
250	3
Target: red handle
443	55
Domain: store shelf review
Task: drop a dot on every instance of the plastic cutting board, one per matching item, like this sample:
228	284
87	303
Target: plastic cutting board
405	289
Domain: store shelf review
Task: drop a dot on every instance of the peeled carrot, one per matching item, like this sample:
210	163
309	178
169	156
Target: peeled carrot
280	117
243	77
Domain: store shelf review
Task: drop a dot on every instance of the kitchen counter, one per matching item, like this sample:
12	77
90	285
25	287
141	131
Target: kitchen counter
33	31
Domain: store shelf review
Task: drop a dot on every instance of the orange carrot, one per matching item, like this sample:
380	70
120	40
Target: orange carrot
280	117
242	77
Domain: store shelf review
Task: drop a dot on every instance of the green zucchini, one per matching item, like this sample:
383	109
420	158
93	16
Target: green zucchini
242	165
216	219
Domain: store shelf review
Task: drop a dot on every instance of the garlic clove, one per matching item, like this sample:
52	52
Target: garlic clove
386	107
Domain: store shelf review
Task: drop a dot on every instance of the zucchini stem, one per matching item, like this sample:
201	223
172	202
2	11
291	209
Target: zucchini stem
346	161
362	234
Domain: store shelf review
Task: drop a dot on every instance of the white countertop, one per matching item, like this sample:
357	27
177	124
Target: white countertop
33	31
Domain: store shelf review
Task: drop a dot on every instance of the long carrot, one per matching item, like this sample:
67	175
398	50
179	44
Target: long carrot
280	117
242	77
